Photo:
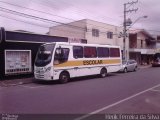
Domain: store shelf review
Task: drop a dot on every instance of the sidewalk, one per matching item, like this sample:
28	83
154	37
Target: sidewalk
13	82
144	66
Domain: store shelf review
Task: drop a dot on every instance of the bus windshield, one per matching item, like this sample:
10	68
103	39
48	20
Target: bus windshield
44	55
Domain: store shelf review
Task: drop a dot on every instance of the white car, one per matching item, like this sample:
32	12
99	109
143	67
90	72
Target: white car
128	65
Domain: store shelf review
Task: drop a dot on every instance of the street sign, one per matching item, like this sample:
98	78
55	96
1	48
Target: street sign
18	61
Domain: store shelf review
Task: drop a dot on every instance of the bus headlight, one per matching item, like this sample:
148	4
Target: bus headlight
48	69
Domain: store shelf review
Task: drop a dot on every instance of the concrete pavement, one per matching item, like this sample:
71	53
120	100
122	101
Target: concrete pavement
13	82
144	66
128	92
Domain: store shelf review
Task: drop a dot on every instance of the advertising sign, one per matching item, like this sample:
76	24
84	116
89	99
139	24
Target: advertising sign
17	61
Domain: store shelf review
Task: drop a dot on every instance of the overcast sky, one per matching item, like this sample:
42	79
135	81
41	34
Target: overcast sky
63	11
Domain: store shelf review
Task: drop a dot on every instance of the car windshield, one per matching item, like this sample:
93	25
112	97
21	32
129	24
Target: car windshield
44	55
156	57
124	62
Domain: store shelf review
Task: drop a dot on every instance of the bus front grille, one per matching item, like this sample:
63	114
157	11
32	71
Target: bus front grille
39	76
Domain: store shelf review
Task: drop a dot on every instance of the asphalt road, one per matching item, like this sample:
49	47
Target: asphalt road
82	95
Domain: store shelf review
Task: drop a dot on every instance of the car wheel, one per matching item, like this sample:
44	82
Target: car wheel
103	72
135	69
125	70
64	77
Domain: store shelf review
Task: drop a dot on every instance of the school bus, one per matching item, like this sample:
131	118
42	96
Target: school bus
62	61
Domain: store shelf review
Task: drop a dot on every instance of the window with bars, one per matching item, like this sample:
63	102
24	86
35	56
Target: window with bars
95	32
110	35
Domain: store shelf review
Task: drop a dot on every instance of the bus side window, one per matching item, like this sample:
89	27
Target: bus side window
90	52
61	55
114	52
65	54
77	52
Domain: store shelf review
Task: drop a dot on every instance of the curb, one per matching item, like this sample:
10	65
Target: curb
14	82
147	66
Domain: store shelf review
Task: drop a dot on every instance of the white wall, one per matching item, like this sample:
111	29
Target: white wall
72	30
85	32
102	39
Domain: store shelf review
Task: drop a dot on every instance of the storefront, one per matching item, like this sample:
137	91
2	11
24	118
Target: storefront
147	56
135	56
18	51
142	56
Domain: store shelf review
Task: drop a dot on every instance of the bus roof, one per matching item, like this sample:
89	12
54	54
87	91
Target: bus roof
81	44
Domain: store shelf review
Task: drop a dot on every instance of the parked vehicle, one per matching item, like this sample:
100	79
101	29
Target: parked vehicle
156	60
128	65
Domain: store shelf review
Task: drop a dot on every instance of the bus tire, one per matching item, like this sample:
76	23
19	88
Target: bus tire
64	77
103	72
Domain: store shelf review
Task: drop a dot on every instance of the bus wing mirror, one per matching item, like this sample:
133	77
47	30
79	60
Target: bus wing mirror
59	51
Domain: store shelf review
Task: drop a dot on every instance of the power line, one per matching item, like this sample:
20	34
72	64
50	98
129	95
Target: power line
86	10
131	3
37	18
79	9
152	30
66	30
28	16
63	29
39	25
23	21
44	12
48	5
59	29
44	20
33	17
35	10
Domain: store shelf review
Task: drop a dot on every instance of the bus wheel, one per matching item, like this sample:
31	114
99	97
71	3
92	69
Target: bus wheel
64	77
103	72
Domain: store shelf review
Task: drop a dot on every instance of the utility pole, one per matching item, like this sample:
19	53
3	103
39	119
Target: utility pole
126	10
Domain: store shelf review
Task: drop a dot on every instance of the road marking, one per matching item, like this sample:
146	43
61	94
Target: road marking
2	88
114	104
26	86
154	90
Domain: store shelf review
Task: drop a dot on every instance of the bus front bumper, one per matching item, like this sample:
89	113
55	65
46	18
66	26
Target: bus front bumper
43	76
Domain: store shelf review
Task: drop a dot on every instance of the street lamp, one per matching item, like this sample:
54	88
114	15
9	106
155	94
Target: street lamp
137	20
125	24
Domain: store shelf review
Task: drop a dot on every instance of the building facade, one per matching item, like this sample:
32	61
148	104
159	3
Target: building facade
142	46
94	32
18	51
158	44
